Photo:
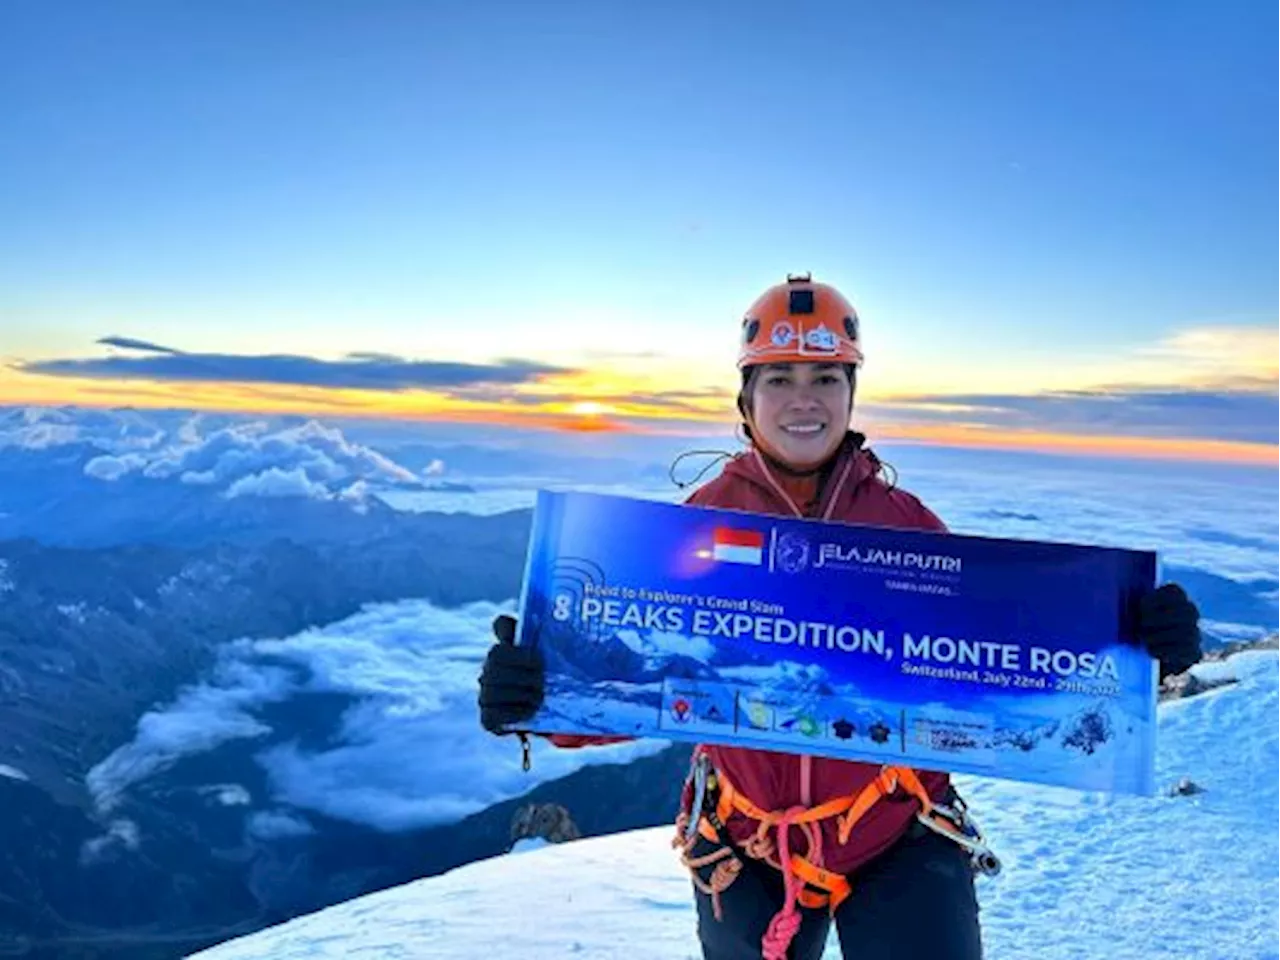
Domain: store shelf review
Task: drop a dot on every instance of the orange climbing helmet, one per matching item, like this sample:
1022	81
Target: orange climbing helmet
800	322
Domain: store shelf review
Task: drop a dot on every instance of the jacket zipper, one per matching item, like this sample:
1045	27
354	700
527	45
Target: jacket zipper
833	494
836	489
777	487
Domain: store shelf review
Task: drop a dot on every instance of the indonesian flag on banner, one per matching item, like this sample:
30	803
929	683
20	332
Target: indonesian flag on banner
738	546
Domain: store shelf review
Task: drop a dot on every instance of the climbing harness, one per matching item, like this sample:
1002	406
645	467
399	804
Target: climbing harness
805	881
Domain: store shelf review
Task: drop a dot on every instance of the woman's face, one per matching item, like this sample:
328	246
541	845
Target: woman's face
800	411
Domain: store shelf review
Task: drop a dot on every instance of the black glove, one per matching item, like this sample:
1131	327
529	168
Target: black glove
1169	628
511	683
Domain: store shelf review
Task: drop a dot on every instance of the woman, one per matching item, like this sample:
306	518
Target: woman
779	844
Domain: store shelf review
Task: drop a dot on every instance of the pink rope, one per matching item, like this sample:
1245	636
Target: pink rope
786	922
814	835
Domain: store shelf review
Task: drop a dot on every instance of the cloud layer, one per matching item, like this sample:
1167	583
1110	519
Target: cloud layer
1220	354
1248	413
130	343
357	371
410	751
40	428
1206	391
254	459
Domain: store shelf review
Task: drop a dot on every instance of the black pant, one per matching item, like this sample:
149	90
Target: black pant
914	902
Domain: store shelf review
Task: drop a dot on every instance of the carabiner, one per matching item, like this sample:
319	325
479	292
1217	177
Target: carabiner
701	767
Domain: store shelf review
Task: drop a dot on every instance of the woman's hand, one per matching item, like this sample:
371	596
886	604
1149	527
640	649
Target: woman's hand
1169	628
512	683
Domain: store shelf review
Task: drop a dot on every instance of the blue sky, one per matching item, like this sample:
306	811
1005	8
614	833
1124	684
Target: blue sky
1017	197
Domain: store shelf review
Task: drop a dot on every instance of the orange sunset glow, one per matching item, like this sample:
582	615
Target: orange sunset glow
605	403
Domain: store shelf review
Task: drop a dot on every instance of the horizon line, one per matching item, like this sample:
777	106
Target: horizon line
966	436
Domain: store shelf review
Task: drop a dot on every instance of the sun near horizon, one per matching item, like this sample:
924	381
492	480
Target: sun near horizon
604	402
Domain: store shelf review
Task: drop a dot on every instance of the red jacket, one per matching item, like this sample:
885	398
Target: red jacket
854	493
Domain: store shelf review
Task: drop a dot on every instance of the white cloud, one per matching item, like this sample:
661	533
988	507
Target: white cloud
189	433
416	667
358	496
277	824
228	794
1206	356
274	482
216	450
410	751
242	451
72	611
36	415
259	457
358	491
40	436
111	467
201	718
1214	519
1222	351
114	431
120	834
13	773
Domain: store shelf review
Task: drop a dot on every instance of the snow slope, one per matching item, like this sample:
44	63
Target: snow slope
1086	875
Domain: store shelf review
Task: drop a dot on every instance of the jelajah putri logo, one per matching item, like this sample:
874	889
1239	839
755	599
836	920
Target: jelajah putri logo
836	555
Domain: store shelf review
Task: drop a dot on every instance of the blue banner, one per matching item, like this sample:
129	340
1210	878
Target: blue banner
1003	658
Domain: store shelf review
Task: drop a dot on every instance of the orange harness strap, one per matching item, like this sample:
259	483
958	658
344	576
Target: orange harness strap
806	882
850	809
731	799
